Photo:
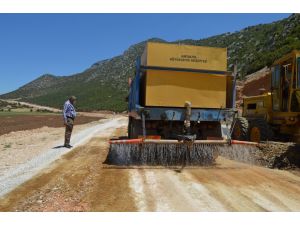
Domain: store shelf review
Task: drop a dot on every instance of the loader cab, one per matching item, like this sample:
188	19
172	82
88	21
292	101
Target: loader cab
285	85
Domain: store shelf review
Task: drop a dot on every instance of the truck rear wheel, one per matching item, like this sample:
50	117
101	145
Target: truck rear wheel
241	129
129	128
134	128
260	130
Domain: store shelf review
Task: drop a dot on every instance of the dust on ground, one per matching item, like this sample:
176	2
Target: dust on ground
80	182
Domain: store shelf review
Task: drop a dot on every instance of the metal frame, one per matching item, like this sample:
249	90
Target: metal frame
178	114
134	93
183	70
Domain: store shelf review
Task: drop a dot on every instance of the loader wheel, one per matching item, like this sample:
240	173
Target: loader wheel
260	131
240	130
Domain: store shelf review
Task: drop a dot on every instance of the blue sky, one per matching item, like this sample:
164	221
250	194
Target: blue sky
63	44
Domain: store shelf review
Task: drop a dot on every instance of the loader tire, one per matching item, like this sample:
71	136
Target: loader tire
260	130
241	129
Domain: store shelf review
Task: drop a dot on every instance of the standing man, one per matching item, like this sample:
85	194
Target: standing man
69	114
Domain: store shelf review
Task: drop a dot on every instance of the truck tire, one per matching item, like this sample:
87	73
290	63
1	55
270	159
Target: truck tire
241	129
134	128
129	128
260	130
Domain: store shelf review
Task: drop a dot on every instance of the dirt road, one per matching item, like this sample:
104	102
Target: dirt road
80	182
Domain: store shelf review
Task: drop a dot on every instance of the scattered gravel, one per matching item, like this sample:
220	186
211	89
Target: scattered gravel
279	155
23	172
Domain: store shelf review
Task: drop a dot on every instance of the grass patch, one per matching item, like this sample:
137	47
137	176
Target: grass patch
6	146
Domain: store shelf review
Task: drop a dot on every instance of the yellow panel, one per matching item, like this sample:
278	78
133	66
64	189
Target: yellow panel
172	89
185	56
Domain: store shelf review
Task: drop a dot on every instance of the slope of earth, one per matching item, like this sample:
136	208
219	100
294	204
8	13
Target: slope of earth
80	182
255	84
104	84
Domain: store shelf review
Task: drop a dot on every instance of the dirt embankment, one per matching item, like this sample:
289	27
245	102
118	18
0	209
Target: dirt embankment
279	155
257	81
254	84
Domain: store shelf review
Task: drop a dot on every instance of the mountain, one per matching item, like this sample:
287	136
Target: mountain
104	84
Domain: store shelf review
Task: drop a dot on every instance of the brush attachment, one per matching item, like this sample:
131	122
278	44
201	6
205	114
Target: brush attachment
163	153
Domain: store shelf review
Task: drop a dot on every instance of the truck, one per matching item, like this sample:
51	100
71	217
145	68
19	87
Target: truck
181	105
181	92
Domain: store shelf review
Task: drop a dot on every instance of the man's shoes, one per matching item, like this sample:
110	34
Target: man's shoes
68	146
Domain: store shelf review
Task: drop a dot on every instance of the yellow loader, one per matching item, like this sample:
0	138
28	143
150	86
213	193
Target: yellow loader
274	115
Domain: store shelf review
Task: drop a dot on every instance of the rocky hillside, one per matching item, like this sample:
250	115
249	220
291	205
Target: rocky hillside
104	84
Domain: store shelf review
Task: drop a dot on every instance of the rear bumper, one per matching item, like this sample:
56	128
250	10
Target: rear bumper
165	141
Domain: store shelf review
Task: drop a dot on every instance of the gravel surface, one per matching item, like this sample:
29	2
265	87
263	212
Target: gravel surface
80	182
19	174
18	147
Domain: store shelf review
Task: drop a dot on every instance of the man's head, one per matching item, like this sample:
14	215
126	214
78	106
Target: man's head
72	99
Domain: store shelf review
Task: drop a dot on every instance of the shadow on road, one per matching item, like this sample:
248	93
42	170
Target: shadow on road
59	146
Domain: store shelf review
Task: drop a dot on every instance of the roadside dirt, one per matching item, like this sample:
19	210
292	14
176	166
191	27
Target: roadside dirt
77	182
28	122
18	147
80	182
